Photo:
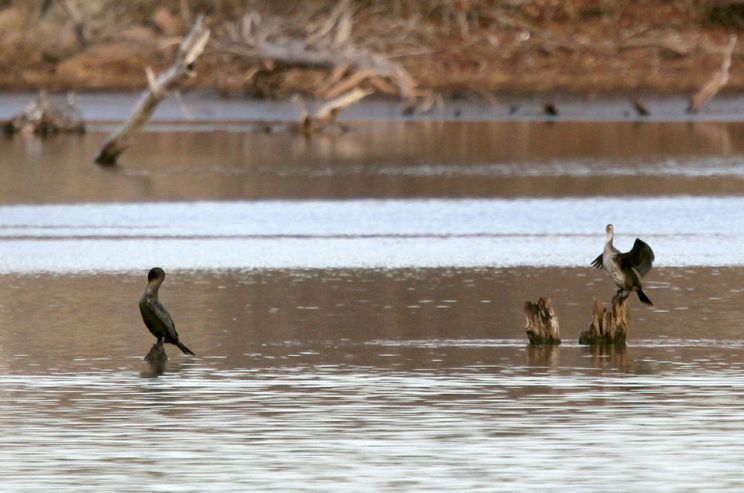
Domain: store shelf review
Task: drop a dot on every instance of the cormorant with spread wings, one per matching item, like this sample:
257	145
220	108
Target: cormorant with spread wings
626	269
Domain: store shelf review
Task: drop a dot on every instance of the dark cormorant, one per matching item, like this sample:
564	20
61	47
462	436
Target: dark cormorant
155	315
626	269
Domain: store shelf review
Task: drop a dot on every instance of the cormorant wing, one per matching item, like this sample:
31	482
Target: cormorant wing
597	262
640	257
164	317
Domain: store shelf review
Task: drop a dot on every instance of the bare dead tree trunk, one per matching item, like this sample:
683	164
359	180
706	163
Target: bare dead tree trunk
719	79
609	326
541	322
190	49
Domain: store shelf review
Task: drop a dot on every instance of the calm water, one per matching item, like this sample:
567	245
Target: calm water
356	306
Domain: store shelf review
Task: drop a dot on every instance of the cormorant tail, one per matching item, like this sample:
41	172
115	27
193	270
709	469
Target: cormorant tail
186	350
644	299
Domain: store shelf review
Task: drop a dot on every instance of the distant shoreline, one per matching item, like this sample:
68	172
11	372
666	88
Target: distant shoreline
202	106
471	48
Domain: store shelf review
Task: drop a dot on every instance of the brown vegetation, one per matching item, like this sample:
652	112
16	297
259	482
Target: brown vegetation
449	47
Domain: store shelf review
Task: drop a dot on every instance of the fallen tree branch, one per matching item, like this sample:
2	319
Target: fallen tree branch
719	79
327	113
188	51
277	44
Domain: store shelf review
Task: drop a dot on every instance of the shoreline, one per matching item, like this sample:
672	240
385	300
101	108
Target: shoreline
202	106
474	48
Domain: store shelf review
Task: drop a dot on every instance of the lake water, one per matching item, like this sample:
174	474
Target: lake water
355	302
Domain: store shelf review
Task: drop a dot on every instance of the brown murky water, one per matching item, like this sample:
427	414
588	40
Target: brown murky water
370	379
353	380
386	160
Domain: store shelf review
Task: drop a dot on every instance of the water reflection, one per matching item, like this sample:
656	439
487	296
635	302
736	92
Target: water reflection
610	356
545	355
386	159
347	379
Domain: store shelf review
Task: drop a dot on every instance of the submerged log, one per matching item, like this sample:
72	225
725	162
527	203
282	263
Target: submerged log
542	323
609	326
188	51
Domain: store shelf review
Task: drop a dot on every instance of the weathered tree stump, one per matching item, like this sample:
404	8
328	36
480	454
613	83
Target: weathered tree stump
156	354
542	323
609	326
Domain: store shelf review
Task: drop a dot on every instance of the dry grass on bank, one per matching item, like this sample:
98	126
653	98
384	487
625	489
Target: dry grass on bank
450	47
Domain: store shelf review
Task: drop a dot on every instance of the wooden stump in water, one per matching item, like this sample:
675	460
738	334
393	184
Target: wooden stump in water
156	354
609	326
542	323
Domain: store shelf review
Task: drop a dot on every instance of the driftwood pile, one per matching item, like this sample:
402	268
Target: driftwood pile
44	117
272	47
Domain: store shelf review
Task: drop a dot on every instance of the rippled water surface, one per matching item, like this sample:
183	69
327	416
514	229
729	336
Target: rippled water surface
355	303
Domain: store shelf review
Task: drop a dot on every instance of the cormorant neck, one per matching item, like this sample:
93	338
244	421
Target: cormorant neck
152	289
